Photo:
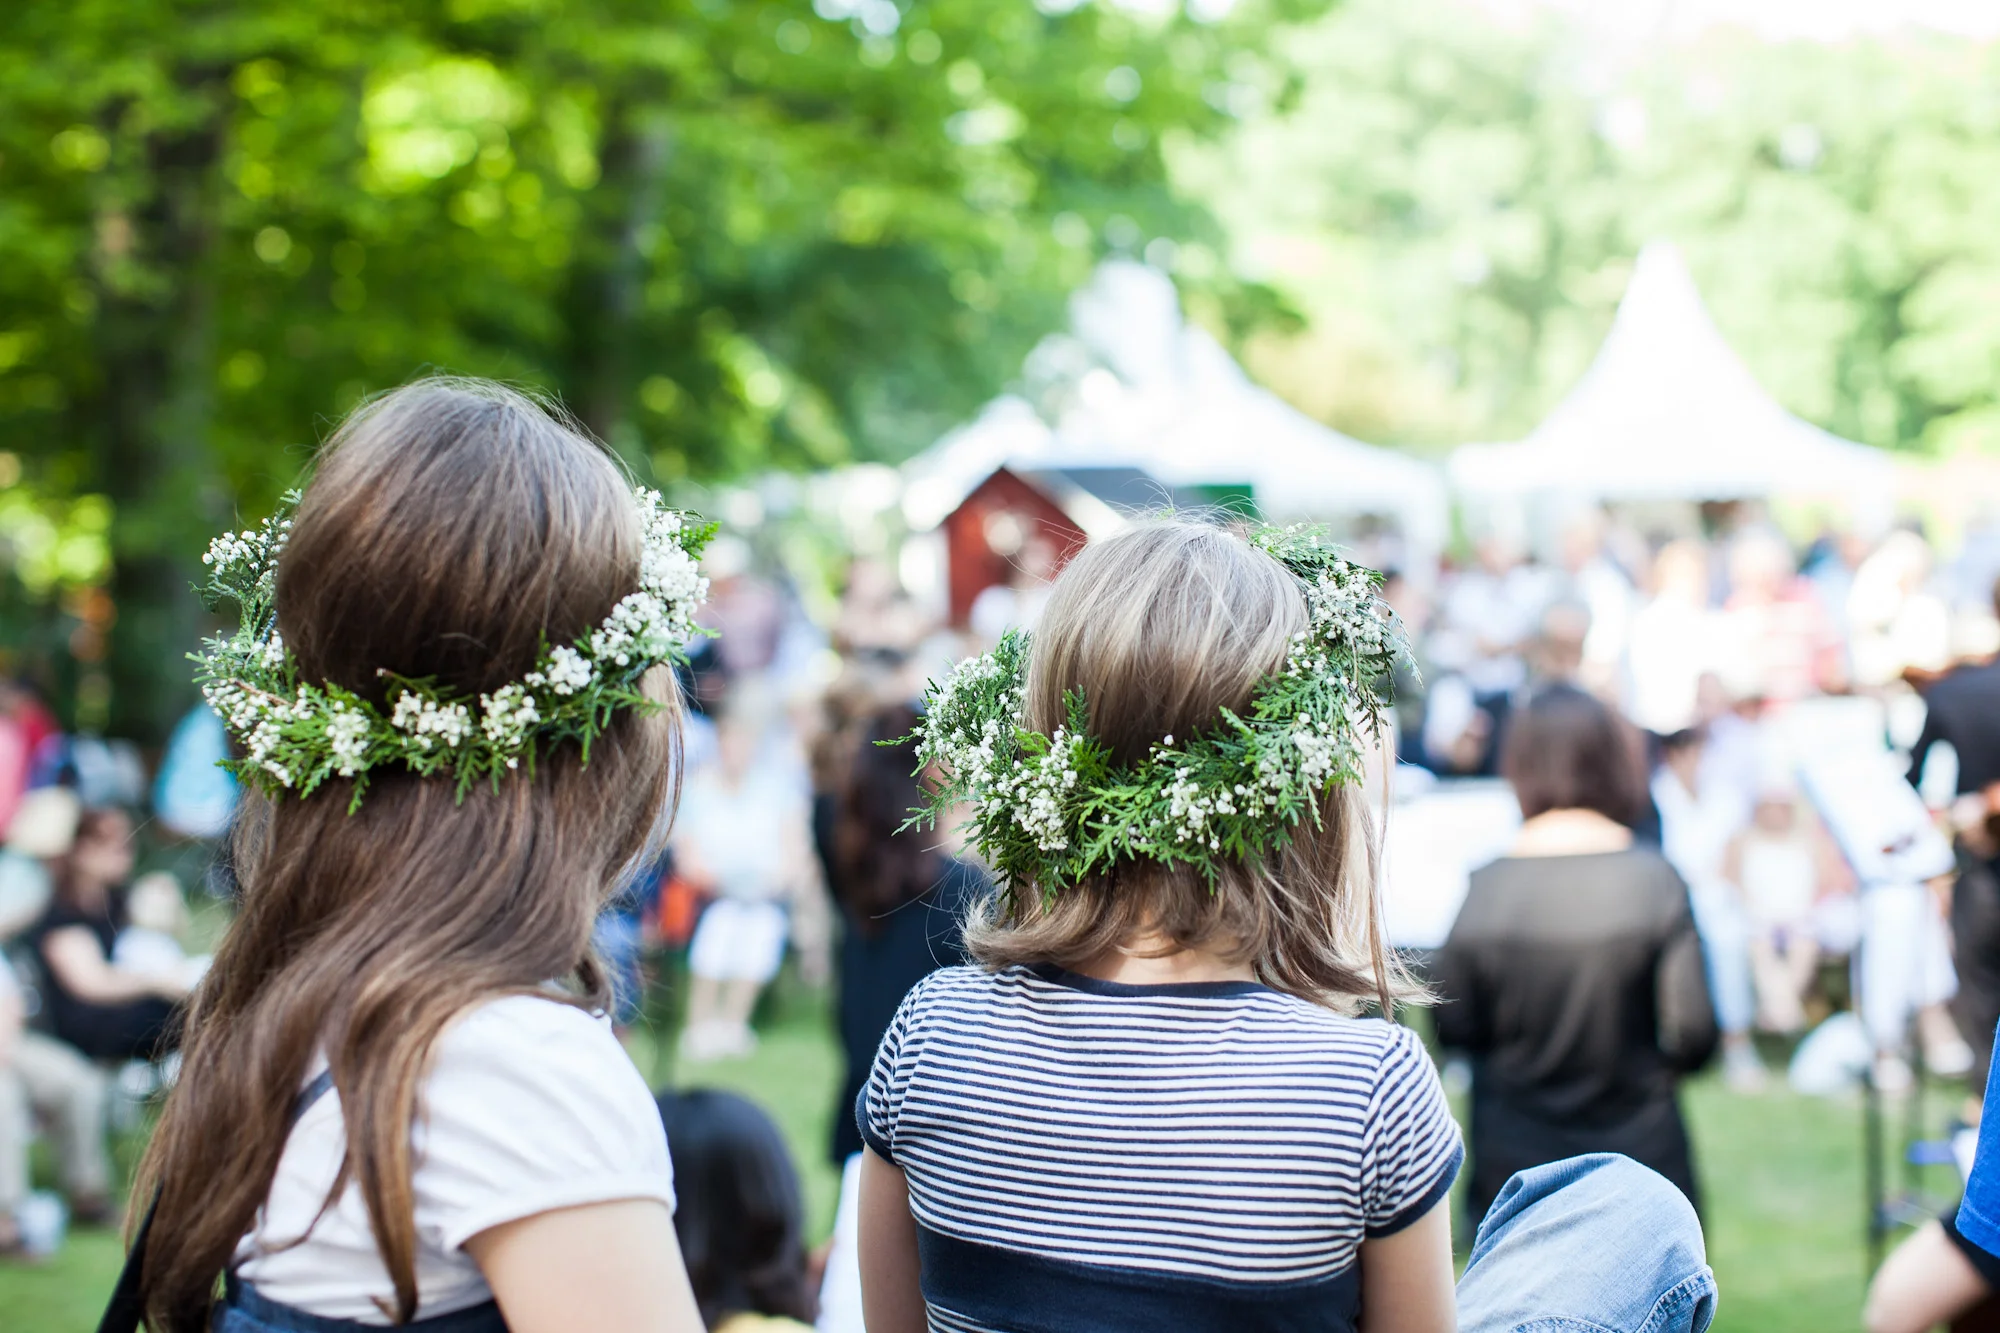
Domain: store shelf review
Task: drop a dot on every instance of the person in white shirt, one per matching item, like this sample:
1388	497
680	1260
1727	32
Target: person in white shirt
400	1102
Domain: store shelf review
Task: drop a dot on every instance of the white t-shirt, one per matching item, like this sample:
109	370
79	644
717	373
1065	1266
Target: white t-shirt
528	1105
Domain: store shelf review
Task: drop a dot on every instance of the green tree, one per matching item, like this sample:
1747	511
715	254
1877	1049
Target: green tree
1455	203
728	235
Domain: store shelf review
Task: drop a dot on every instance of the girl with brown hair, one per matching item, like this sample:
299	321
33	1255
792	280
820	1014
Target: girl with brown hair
400	1102
1151	1105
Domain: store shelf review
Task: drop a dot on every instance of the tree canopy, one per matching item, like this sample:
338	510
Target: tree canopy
1456	201
727	235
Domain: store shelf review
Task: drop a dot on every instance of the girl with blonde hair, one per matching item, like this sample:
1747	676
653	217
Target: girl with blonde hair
1150	1104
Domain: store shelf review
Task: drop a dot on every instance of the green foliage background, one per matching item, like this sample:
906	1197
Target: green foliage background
1455	204
741	235
728	235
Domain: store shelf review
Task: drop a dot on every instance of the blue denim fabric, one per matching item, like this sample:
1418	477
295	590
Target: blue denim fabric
1594	1244
1979	1210
244	1311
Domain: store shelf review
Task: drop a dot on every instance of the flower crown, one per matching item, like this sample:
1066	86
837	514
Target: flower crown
295	734
1054	810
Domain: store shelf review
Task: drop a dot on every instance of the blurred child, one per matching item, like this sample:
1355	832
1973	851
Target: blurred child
739	1215
742	839
156	920
1776	863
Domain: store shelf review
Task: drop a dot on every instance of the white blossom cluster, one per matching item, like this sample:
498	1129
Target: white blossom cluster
507	716
568	670
251	553
426	721
347	736
259	721
1060	813
298	734
1037	792
971	752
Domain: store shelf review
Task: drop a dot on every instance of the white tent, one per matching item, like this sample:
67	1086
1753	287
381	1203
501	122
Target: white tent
1668	411
1134	386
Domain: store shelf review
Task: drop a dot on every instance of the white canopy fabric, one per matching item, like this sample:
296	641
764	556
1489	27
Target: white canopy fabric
1668	411
1137	387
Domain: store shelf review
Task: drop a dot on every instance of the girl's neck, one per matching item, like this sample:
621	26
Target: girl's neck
1150	961
1571	833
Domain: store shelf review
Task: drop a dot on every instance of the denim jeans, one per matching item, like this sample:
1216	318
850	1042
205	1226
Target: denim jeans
244	1311
1594	1244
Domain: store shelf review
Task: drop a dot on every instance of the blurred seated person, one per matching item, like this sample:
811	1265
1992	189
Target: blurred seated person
738	1213
106	1011
42	829
41	1078
1573	975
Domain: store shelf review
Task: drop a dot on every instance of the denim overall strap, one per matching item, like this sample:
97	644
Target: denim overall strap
244	1311
126	1309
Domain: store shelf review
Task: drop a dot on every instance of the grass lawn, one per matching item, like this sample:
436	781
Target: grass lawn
1782	1174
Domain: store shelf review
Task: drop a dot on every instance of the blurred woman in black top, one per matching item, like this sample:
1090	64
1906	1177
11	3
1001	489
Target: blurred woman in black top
1573	975
106	1011
902	897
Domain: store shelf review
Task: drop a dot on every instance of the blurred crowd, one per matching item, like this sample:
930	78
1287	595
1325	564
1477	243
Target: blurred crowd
1710	653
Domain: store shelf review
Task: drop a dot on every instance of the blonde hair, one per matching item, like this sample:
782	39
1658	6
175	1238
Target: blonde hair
1159	629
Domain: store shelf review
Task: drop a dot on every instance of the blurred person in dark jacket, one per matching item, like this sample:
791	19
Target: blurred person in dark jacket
1573	976
902	895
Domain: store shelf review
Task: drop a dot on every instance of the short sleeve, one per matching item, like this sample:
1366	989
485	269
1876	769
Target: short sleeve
881	1097
1411	1147
531	1105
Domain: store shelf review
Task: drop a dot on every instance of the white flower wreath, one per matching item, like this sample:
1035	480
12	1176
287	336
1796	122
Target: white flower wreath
1054	810
295	734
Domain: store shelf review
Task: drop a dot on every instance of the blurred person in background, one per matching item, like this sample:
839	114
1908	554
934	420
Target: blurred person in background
1699	818
1774	629
1672	641
1895	621
738	1213
1776	863
878	623
42	1077
1017	603
1573	975
902	895
1591	578
1485	617
742	840
1464	732
42	831
106	1011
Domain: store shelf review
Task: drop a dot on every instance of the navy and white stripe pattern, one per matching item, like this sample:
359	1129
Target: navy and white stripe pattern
1083	1155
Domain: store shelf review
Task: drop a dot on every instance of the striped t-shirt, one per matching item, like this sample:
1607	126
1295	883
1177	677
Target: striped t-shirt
1085	1156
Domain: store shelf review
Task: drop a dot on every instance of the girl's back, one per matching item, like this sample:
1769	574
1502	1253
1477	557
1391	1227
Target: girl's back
1191	1155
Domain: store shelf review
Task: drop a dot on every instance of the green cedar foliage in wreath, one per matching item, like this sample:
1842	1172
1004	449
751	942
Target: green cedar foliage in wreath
296	734
1054	810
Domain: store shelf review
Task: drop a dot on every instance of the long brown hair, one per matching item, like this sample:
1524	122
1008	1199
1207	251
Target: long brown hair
1160	628
874	866
451	527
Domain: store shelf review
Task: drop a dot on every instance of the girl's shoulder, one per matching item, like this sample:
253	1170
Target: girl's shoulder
543	1049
